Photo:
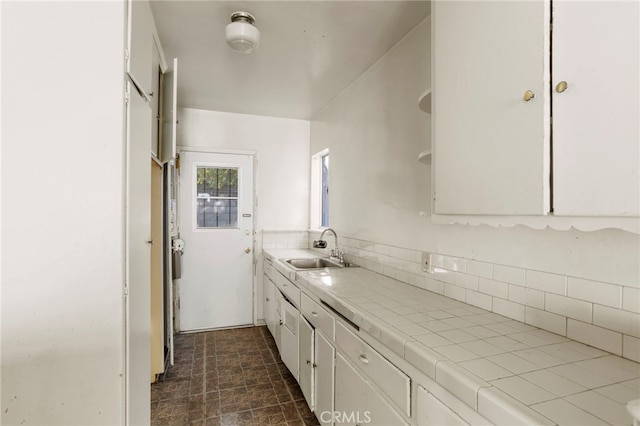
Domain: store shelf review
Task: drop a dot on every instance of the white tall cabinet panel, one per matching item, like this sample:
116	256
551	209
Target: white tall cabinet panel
138	300
63	202
596	138
491	147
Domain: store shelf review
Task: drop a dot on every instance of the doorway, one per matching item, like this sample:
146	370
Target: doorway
216	225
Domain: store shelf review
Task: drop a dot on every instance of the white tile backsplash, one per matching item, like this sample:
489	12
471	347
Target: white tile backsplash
596	292
616	319
493	288
550	283
599	337
546	320
600	314
509	274
466	281
631	348
508	309
480	269
572	308
631	299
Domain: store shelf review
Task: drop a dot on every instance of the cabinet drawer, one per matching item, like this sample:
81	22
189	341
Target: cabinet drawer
269	270
288	288
317	315
385	375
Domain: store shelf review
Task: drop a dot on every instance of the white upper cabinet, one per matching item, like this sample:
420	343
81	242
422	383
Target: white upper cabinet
510	146
490	147
596	137
141	45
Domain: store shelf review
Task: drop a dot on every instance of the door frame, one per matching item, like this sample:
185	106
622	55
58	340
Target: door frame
254	208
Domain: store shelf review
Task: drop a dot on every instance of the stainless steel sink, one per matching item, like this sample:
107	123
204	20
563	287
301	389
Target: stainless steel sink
313	263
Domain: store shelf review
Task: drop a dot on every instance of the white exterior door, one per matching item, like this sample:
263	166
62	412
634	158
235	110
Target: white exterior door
216	224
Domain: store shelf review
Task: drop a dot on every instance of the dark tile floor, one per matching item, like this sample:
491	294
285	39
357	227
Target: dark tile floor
228	377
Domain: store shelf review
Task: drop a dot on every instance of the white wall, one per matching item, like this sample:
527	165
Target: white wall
282	171
282	146
374	131
62	213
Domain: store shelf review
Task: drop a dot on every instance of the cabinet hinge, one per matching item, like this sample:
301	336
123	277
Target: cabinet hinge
126	54
126	290
126	96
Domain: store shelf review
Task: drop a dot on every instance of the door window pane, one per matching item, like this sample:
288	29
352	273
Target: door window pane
216	197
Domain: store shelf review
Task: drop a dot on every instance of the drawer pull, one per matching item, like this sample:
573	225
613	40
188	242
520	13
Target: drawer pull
308	362
268	299
284	285
315	314
364	359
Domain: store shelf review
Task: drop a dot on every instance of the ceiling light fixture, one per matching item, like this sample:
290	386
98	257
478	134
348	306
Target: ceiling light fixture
242	35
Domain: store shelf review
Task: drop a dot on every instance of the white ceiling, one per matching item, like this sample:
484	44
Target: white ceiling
310	51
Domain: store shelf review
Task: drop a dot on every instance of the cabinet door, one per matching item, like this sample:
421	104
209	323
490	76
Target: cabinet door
596	133
141	44
351	407
268	307
432	412
381	413
138	301
289	337
325	361
279	299
306	360
490	147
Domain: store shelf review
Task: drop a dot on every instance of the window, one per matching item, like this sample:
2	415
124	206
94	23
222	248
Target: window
216	197
325	191
320	189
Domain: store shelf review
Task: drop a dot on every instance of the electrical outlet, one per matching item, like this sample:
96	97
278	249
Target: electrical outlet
426	261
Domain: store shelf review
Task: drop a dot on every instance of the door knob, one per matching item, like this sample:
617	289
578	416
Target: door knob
247	250
528	95
561	87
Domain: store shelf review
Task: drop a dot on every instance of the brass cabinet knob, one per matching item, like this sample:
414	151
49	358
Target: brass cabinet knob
561	87
528	95
247	250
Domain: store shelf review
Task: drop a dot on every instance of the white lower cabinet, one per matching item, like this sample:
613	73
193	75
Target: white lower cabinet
325	355
351	406
289	336
307	361
433	412
378	370
269	304
277	320
357	402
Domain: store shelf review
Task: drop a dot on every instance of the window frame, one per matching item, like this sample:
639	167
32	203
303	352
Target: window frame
195	197
316	205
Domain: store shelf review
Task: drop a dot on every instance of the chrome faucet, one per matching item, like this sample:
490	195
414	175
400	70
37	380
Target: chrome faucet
323	244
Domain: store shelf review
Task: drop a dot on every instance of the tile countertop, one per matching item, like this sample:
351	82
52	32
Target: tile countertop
508	371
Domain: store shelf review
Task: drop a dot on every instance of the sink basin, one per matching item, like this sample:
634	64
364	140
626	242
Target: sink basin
313	263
